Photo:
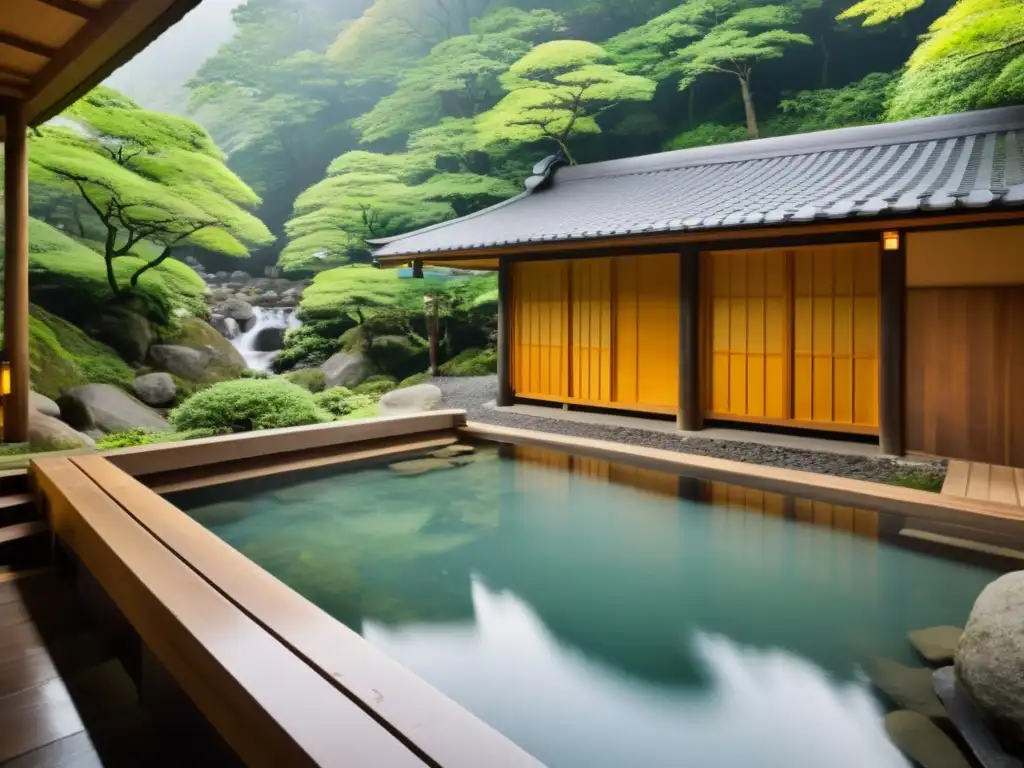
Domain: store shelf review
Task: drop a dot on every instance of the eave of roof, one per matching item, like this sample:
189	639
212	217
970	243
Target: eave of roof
972	160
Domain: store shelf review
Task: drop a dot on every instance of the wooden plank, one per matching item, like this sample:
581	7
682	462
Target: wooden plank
1018	476
34	717
1002	487
447	734
978	481
16	204
22	531
957	475
74	751
269	705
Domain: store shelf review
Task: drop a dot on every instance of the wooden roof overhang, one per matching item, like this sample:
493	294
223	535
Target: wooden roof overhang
809	233
54	51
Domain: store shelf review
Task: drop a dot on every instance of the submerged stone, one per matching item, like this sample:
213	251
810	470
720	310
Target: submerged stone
420	466
909	687
936	644
923	741
969	723
451	451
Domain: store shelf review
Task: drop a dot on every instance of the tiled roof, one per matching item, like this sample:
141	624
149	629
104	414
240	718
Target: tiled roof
973	160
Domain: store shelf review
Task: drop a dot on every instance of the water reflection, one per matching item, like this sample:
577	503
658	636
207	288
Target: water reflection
767	708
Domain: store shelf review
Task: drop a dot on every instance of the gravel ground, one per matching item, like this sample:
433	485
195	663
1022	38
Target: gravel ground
476	396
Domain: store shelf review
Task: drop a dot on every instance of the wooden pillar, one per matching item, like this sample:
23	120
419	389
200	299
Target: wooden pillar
16	272
690	415
417	268
892	333
505	394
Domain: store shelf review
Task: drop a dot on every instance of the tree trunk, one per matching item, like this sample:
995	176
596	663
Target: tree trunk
748	106
690	107
145	267
109	248
432	329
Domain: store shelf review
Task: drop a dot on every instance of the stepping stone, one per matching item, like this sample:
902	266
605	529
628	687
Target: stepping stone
923	741
909	687
969	723
415	467
451	451
936	644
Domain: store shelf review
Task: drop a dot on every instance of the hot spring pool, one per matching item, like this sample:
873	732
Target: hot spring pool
601	615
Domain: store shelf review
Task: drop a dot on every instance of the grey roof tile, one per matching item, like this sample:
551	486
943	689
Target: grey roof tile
972	160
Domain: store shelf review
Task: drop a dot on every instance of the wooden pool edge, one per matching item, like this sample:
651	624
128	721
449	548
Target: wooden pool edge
375	711
928	507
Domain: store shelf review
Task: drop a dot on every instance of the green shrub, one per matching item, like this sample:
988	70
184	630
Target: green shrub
377	386
248	373
312	379
471	362
249	404
342	401
412	381
310	344
138	436
365	412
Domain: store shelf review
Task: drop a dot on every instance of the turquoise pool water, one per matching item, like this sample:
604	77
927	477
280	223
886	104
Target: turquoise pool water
597	618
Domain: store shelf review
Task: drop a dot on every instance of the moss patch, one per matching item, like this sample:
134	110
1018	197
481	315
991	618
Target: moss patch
312	379
471	362
920	479
227	363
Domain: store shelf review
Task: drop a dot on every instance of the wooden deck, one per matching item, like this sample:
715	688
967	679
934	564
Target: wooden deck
984	482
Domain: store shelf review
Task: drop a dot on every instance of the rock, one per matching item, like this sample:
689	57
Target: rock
923	741
990	657
414	467
238	310
909	687
288	301
222	276
156	389
416	399
969	723
220	294
226	326
43	405
346	369
126	332
181	361
936	644
290	292
451	451
269	340
46	433
221	514
107	408
223	361
238	276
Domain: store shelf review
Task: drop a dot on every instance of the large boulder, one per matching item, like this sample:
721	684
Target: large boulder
269	340
422	397
347	369
181	361
238	310
238	276
45	433
990	656
43	405
225	326
106	408
127	332
217	358
156	389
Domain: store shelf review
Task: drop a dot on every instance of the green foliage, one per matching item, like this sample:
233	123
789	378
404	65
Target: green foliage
880	11
357	291
471	362
341	401
131	438
250	374
312	379
556	92
310	344
648	49
412	381
377	386
706	134
860	103
920	479
62	356
248	404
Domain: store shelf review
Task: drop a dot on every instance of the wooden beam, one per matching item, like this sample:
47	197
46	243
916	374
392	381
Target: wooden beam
505	393
690	412
892	347
417	269
16	271
70	6
17	74
29	46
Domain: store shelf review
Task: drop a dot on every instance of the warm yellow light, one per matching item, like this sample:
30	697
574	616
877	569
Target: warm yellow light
5	376
890	241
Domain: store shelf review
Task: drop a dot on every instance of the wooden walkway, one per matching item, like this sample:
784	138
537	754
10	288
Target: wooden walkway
984	482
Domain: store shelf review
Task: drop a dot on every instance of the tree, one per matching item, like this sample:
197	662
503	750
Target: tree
556	92
146	177
736	45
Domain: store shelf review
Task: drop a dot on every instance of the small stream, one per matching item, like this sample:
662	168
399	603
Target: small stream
245	343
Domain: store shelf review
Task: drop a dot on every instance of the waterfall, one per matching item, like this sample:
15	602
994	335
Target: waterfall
245	343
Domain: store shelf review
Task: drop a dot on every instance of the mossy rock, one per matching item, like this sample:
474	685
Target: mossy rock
412	381
471	362
125	330
225	362
312	379
63	356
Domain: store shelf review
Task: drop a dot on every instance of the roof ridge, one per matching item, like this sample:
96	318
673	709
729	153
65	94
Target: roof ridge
797	144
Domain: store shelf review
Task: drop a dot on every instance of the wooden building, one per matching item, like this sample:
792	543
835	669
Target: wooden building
51	53
866	281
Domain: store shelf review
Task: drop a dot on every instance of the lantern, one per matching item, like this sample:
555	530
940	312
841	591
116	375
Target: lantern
5	374
890	241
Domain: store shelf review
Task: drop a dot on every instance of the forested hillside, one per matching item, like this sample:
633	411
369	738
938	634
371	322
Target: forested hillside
356	119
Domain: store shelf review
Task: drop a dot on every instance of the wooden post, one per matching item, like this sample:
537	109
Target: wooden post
690	415
505	394
417	268
16	272
892	333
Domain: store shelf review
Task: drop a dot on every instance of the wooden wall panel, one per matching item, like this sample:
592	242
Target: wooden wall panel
646	301
965	373
540	329
835	335
748	318
591	344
